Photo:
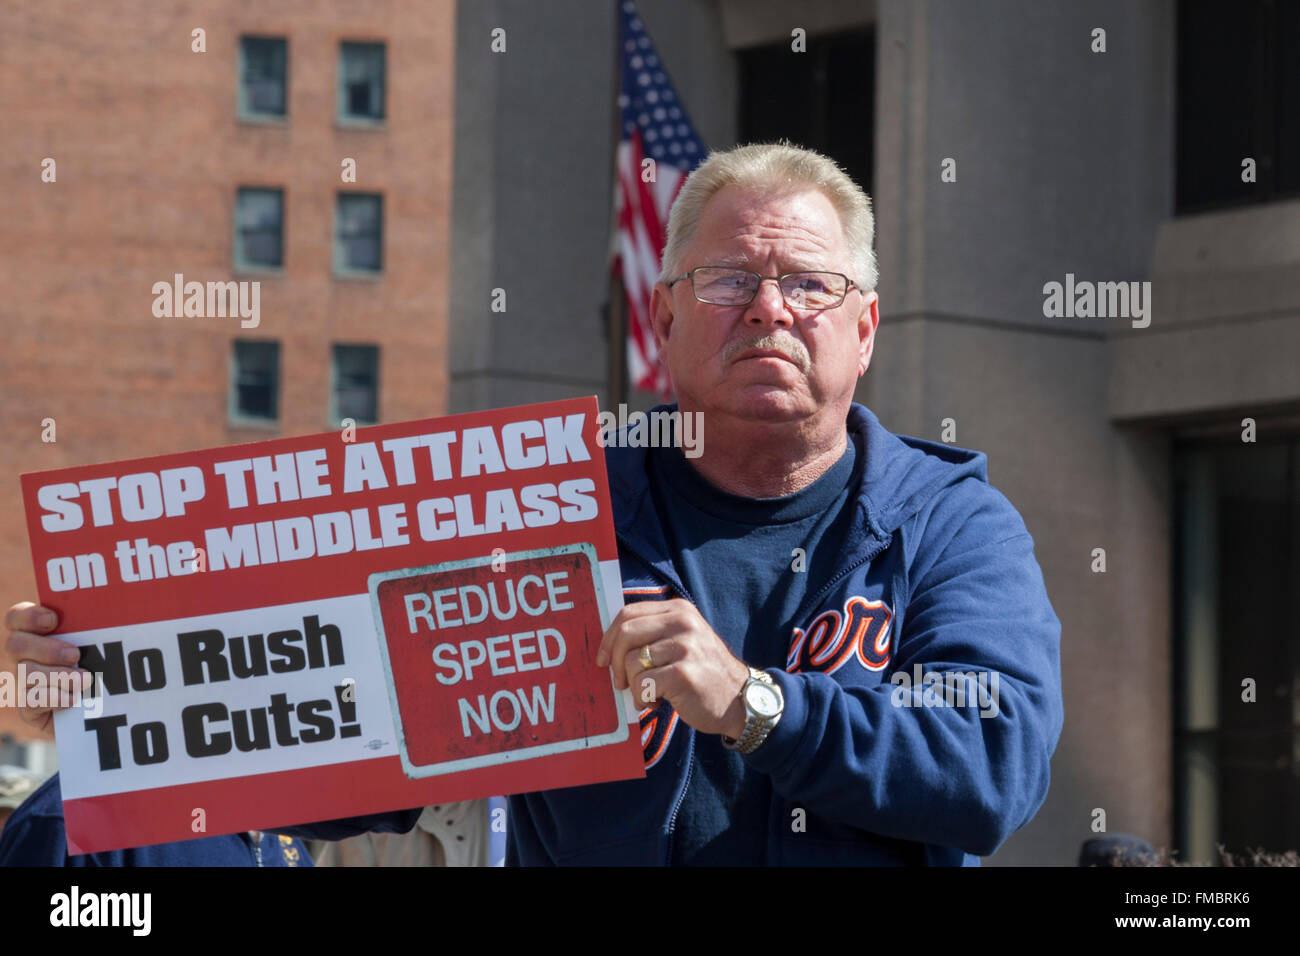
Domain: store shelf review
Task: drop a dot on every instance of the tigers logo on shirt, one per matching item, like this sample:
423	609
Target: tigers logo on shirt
657	726
658	722
861	632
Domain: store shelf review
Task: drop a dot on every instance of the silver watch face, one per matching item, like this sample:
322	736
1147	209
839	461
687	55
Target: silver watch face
763	699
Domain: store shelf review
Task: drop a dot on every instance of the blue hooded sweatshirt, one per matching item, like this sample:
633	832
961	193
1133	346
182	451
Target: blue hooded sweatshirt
34	836
922	684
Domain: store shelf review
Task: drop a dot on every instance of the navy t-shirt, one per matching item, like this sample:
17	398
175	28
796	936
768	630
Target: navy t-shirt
737	557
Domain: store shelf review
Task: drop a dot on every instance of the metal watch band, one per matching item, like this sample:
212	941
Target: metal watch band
756	728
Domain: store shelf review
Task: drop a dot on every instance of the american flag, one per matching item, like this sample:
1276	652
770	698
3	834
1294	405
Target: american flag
654	124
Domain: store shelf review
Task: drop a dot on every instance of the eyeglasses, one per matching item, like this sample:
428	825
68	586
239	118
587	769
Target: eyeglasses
808	291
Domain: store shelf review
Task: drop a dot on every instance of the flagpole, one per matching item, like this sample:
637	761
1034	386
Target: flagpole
617	342
616	360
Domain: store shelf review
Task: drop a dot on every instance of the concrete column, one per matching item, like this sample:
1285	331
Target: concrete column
1062	160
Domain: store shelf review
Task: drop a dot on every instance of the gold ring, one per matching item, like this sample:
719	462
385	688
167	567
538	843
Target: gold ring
644	657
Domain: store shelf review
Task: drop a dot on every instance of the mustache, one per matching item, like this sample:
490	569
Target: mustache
790	347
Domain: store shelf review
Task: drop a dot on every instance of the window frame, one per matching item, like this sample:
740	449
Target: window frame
350	120
347	272
237	262
234	416
335	416
242	112
828	55
1202	732
1265	75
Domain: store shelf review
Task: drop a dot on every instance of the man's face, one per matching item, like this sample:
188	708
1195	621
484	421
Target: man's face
813	359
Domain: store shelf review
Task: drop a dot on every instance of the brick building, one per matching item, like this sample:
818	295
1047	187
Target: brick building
220	164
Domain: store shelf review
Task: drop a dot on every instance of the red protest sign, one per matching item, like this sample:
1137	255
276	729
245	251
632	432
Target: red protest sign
248	611
490	660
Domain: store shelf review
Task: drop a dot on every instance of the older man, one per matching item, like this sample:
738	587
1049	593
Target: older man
841	636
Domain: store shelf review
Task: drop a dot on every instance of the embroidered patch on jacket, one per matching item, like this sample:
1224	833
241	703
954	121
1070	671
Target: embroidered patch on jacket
645	594
861	631
658	722
657	726
289	851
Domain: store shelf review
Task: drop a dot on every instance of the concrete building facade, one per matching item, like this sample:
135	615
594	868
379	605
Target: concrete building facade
1062	165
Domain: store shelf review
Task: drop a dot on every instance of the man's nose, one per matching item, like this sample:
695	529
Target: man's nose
769	304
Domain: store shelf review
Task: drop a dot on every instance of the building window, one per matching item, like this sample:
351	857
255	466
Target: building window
259	229
359	234
263	77
1238	85
356	384
361	82
823	99
255	382
1237	648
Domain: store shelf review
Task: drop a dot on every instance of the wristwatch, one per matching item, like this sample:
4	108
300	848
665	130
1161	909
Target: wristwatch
763	706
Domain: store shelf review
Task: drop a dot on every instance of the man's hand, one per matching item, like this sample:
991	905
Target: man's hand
27	623
691	666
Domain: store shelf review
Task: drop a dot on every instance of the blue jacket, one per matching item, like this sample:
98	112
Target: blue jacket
34	836
937	580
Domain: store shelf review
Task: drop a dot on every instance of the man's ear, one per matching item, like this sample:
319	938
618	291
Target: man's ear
868	320
661	314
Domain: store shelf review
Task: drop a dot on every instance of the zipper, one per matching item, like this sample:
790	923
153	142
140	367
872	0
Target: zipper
690	769
680	590
257	849
839	575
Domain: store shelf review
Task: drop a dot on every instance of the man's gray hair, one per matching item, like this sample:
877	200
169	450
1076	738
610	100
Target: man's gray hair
777	167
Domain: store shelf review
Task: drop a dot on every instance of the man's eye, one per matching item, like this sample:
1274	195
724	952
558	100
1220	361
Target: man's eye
725	283
810	284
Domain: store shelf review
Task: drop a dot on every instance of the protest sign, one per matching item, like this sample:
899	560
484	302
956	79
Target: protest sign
333	625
